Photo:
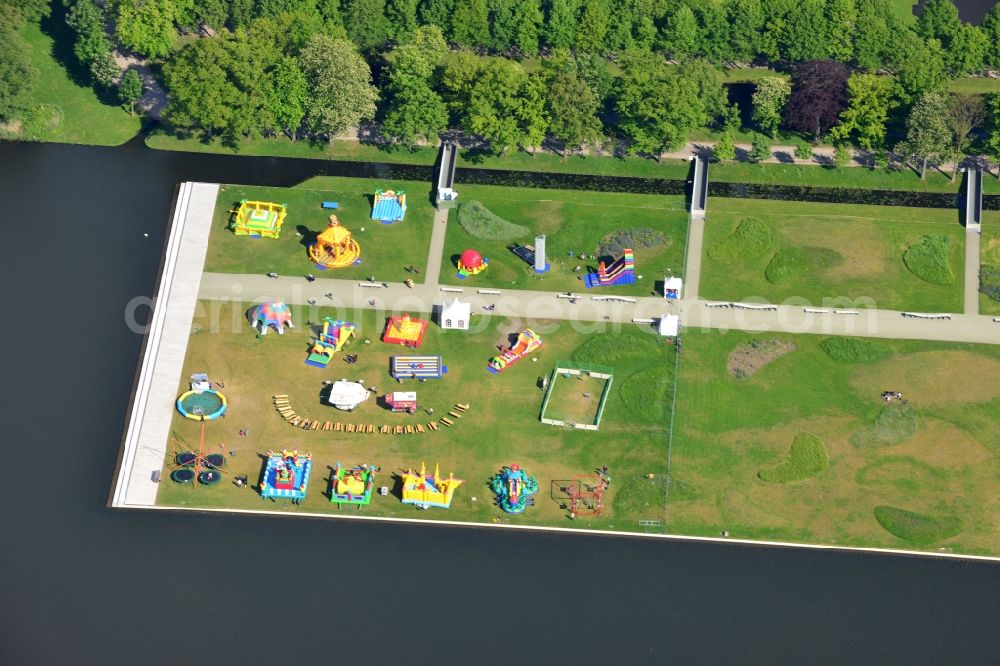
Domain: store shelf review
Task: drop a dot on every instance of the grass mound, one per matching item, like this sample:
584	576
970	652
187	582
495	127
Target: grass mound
478	221
750	239
614	245
916	527
792	262
646	394
640	495
989	281
928	260
748	358
805	459
896	423
855	350
606	348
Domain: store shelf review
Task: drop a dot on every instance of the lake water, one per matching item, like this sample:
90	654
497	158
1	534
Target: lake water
84	584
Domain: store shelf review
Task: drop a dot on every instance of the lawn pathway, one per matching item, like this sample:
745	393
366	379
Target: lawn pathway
432	274
972	238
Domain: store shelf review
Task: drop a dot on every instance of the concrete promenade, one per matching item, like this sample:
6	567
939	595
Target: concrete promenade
148	434
432	274
972	239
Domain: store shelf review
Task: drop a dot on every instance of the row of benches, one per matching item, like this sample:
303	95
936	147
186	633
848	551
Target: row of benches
284	408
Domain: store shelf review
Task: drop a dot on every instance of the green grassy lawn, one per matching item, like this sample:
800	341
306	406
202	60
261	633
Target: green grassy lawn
386	250
904	10
474	449
572	221
974	84
727	430
989	253
74	112
850	254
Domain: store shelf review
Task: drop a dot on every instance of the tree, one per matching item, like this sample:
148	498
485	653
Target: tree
571	108
991	28
341	94
708	82
560	23
993	128
402	17
436	12
819	95
715	31
769	99
130	90
105	70
968	51
841	155
807	32
202	94
87	21
938	20
506	106
595	20
725	149
918	65
593	69
458	76
680	37
873	33
966	111
870	101
841	23
760	148
746	32
470	24
365	22
16	72
732	121
527	20
286	96
657	109
415	113
146	26
928	131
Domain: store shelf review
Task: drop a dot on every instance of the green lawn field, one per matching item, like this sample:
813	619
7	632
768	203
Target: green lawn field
501	427
989	252
386	250
727	430
70	111
573	221
852	254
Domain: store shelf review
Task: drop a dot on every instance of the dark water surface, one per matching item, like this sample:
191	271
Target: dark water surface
82	584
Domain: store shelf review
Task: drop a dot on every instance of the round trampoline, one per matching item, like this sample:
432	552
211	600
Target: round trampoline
202	405
183	475
216	460
186	458
209	478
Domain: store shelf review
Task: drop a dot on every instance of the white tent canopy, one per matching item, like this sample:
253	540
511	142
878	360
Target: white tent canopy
668	326
672	283
347	395
455	315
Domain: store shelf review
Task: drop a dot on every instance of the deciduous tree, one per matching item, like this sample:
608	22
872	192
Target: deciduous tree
806	36
470	23
146	26
992	143
341	94
769	99
436	12
760	148
16	72
130	90
366	22
819	95
592	27
725	149
416	113
991	28
571	108
560	23
657	108
919	65
928	131
680	36
506	106
105	70
871	98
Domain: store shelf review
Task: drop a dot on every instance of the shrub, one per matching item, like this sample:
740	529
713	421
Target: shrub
803	151
725	149
805	459
614	245
896	423
792	262
928	260
917	527
989	281
855	350
750	239
760	148
479	222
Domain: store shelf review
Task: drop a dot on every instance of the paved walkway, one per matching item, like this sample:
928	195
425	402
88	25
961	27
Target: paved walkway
692	263
972	237
432	274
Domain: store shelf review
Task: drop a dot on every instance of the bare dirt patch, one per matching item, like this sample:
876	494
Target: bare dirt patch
748	358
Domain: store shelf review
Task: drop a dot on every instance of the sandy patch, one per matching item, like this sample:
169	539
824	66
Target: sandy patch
748	358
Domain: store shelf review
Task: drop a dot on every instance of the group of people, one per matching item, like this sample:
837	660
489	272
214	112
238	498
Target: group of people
889	396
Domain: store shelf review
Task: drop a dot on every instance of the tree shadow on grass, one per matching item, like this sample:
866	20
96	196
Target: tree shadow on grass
63	38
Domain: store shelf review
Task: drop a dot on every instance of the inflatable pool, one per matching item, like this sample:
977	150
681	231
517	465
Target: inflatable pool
202	405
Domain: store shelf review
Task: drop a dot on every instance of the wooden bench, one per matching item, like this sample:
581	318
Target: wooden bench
454	415
420	428
278	396
460	406
447	422
398	430
409	430
338	427
370	429
383	430
295	420
350	427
